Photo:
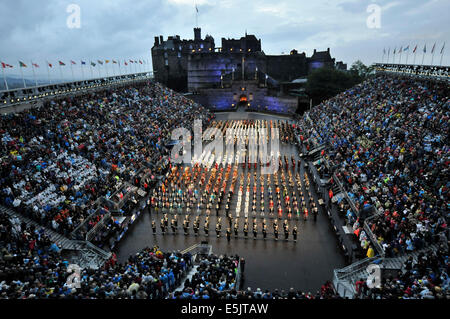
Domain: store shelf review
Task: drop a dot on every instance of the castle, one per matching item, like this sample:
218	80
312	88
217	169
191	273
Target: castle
221	77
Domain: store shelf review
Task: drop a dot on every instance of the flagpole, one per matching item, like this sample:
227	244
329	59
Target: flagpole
60	71
34	74
407	54
442	54
400	59
415	51
90	67
48	73
71	68
106	68
432	53
387	58
82	72
23	79
4	78
423	54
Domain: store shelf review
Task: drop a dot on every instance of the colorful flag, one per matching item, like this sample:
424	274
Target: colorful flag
93	64
131	61
49	64
106	61
394	50
114	61
35	65
22	65
73	62
126	63
6	65
425	48
83	63
140	61
415	48
100	62
406	49
442	50
434	46
61	63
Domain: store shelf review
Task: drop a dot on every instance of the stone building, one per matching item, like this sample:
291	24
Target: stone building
212	73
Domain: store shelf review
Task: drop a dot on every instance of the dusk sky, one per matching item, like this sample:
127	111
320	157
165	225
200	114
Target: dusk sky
118	29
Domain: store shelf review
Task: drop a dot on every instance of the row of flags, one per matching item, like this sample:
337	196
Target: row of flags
406	49
139	66
401	49
61	63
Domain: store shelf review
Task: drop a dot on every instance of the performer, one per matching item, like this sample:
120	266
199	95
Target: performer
275	232
286	233
185	227
294	233
154	226
315	211
172	225
163	228
196	226
236	227
218	228
255	230
264	231
228	234
206	227
246	230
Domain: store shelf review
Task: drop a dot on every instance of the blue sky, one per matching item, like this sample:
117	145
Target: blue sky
119	29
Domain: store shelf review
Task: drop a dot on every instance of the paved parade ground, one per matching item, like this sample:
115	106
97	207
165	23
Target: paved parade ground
270	264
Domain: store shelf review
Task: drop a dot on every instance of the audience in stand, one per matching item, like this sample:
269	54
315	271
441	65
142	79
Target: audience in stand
59	159
388	143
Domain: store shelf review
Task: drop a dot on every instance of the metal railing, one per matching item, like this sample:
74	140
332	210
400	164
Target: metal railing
50	91
422	71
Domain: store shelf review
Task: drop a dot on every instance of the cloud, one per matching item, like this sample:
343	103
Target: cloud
124	29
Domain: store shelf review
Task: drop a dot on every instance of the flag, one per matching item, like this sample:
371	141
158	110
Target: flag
114	61
106	61
415	48
406	49
49	64
6	65
126	63
35	65
384	50
434	46
425	48
442	50
73	62
131	61
196	8
93	64
140	61
22	65
83	63
100	62
394	50
61	63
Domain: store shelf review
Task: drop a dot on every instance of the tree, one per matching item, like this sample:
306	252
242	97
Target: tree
325	83
360	69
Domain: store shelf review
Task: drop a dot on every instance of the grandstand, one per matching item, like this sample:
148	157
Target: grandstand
88	179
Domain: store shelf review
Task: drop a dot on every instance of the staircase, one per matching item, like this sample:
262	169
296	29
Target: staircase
345	279
84	253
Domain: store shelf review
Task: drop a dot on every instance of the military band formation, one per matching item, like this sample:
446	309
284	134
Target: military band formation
207	190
